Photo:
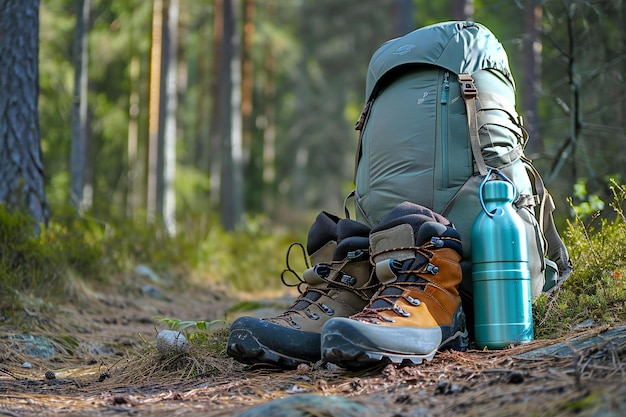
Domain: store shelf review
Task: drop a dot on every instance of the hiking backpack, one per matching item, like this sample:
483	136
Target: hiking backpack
439	117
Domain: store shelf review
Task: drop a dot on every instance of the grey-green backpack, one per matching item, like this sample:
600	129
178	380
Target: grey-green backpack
439	115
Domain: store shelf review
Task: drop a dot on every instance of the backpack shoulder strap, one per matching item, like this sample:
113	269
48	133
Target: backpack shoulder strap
360	126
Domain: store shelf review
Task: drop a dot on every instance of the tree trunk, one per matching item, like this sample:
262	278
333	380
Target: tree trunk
568	149
21	167
532	77
462	9
231	201
78	154
154	111
133	199
404	21
269	123
215	145
202	78
247	77
169	132
298	177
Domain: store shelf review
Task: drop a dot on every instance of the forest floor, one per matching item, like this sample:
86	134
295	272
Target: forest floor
104	364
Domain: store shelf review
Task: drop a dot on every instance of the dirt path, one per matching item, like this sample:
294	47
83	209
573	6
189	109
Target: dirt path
104	365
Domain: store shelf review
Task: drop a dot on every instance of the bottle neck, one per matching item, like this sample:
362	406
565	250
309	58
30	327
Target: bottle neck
494	203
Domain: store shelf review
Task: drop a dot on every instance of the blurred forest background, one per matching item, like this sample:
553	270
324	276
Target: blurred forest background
187	114
248	107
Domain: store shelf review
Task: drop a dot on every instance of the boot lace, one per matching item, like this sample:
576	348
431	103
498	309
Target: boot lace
411	274
311	295
290	271
308	295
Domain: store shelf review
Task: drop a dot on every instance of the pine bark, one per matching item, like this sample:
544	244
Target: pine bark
21	166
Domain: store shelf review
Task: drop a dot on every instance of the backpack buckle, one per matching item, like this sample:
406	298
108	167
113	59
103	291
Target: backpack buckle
467	86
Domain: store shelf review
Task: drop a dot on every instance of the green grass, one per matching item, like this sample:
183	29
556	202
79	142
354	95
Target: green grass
596	289
32	265
39	270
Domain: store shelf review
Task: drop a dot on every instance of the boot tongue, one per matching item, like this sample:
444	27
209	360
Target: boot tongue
349	227
427	231
439	235
302	302
352	236
331	239
392	291
322	231
396	236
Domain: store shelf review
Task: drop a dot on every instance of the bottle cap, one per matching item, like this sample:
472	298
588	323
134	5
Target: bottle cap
498	191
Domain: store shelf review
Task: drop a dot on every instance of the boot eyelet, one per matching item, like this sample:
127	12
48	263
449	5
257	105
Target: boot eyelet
437	241
313	316
294	324
400	311
348	279
327	309
433	269
413	301
322	270
356	255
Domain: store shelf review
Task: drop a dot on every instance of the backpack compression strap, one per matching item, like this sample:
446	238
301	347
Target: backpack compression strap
557	251
469	97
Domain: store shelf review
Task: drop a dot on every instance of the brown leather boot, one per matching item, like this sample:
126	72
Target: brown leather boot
338	285
418	309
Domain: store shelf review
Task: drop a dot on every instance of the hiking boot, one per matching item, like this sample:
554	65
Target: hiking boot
338	285
417	311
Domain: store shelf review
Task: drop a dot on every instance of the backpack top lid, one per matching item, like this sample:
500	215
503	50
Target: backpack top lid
460	47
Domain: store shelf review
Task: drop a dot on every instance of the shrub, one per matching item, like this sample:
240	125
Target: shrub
596	289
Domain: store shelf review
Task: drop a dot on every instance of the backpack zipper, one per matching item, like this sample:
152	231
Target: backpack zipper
444	130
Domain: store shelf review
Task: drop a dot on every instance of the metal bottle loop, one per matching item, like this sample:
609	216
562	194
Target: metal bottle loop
490	173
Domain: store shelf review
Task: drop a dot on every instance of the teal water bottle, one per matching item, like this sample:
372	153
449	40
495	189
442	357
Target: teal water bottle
500	269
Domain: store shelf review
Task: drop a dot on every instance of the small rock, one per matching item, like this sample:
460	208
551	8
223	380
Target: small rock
584	324
27	365
442	387
303	405
332	367
303	369
34	345
147	272
403	398
152	292
296	389
50	375
447	388
171	343
516	377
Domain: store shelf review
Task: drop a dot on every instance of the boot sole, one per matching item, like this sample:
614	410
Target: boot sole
345	353
256	342
356	345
